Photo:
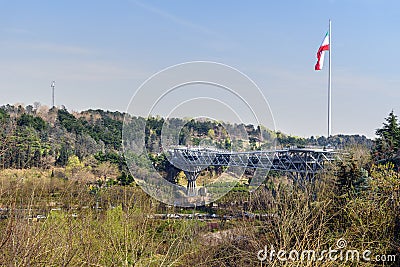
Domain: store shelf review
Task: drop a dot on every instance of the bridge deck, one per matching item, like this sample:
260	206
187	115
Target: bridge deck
296	160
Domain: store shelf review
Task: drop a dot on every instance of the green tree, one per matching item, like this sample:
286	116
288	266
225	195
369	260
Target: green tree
386	146
350	178
211	133
74	165
125	179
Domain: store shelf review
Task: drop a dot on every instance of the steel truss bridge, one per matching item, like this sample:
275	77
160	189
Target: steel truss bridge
299	163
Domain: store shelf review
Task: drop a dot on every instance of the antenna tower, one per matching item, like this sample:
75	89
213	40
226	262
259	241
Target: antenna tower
53	85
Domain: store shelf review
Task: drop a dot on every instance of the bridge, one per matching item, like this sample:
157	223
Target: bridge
299	163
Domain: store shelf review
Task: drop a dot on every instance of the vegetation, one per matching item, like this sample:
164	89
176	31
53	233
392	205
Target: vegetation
68	199
387	144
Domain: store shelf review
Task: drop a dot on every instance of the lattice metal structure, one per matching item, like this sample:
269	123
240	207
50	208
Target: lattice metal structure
300	163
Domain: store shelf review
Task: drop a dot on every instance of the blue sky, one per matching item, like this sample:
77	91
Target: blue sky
99	52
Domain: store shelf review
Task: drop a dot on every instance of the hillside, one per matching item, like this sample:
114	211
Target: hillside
46	138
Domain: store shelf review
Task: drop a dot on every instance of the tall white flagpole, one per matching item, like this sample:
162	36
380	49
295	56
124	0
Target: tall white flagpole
330	83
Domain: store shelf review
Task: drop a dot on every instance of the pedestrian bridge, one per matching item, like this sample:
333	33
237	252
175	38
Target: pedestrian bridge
299	163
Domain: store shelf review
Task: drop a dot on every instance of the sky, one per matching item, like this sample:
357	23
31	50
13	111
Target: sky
100	53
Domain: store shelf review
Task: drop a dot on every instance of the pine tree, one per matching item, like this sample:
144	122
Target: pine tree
386	147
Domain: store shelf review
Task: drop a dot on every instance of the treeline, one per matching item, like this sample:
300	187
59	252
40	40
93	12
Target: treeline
36	136
43	139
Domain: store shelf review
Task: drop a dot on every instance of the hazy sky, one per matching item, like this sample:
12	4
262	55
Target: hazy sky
99	52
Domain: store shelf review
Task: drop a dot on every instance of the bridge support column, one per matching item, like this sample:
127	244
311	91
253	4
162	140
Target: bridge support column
191	187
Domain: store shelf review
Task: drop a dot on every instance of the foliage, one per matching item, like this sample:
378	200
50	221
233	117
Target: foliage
69	122
125	179
48	138
116	225
74	165
76	233
386	148
30	121
349	178
385	180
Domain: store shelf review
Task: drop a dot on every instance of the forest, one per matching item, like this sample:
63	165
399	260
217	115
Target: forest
36	136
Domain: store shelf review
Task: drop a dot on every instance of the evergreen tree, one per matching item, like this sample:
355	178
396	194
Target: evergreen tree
386	148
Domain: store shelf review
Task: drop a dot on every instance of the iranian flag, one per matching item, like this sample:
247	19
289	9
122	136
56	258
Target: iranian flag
321	52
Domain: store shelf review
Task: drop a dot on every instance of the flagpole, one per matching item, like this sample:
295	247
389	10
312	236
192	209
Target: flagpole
330	83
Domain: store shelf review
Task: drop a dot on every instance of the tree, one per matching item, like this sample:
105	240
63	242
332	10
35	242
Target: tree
386	148
107	170
74	165
36	106
7	132
350	178
125	179
62	158
211	133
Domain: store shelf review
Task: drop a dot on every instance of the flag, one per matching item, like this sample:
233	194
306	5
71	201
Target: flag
321	52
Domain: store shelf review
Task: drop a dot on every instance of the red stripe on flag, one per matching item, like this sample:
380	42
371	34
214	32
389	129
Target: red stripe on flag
320	50
323	48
